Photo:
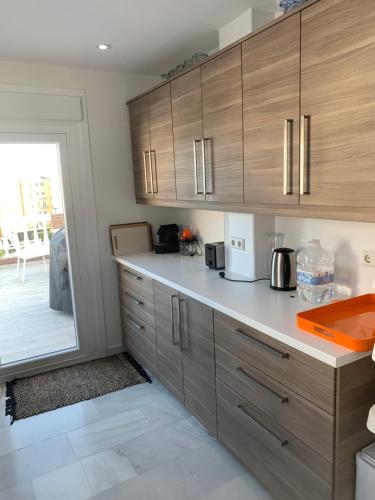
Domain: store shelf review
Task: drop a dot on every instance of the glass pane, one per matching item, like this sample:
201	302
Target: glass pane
36	296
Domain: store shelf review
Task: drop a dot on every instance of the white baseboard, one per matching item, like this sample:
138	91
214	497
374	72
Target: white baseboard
114	349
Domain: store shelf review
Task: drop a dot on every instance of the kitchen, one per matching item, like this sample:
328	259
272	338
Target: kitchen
257	141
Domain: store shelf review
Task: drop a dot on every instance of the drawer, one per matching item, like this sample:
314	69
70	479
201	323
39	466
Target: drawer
288	468
303	374
138	283
137	305
300	417
140	341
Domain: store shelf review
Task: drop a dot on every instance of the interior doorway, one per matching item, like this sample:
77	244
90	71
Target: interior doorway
37	312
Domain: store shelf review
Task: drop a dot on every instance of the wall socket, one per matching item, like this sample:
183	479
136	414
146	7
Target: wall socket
368	258
237	243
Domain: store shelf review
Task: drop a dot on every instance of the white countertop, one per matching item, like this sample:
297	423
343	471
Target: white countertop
254	304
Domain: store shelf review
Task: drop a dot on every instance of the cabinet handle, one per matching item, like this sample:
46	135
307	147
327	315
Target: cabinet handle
283	399
131	275
288	145
179	325
151	172
197	141
145	169
204	164
137	325
281	441
155	184
133	299
303	155
172	319
273	350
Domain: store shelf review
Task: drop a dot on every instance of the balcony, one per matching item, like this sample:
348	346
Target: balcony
28	327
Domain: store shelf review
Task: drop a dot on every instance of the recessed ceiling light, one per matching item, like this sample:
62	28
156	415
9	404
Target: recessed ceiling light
104	46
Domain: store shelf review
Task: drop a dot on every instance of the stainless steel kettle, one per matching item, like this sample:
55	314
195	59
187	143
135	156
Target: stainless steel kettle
284	270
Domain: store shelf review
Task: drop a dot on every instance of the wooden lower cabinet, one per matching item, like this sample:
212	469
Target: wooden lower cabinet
186	355
288	468
293	421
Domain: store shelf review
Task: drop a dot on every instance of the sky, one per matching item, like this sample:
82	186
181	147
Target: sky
24	163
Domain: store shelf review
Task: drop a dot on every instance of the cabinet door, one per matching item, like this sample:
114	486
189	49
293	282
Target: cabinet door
197	342
161	139
222	127
271	92
337	85
140	136
187	131
168	339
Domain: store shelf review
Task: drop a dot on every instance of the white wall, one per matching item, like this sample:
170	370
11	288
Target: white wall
106	94
345	240
248	21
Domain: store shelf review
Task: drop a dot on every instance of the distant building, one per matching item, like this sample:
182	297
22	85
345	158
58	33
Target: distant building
36	196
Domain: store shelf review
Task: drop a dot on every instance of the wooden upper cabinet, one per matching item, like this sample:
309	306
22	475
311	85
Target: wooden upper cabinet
161	140
271	92
222	127
186	94
140	137
337	98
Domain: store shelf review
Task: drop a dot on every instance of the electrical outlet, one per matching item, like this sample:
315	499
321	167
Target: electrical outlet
237	243
368	258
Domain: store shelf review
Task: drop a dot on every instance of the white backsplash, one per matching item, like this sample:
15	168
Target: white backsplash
346	240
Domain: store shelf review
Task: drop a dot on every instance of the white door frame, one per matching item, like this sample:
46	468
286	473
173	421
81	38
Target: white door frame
76	172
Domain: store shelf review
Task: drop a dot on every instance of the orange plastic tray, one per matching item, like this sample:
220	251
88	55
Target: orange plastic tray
350	323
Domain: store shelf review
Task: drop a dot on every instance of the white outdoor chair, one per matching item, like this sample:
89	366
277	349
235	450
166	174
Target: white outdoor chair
28	247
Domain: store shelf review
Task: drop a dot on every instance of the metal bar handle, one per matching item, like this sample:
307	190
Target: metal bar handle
151	172
133	299
196	141
137	325
204	167
288	134
179	324
281	441
154	181
145	169
207	139
303	155
172	319
283	399
273	350
131	275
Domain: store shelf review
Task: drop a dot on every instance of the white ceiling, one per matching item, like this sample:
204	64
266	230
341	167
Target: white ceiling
148	36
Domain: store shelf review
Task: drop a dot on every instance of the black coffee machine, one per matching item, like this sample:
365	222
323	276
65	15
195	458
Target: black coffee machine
168	239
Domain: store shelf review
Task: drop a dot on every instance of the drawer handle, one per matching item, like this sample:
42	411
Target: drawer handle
282	442
283	399
131	275
280	354
174	341
137	326
133	299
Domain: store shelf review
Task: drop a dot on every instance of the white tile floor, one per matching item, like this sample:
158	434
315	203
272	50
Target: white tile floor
136	444
28	327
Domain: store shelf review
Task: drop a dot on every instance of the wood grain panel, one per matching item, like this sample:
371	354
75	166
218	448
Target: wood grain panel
140	137
291	471
161	140
303	374
337	92
170	366
137	305
271	93
355	396
186	95
136	282
141	343
222	126
197	339
301	418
